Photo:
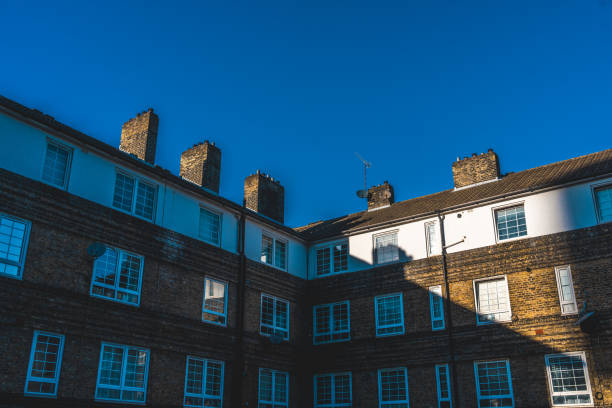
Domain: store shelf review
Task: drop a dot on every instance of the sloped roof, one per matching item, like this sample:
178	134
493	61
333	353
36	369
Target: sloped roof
550	175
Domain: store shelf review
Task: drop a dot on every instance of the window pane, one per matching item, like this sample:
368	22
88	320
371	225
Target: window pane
55	168
322	318
280	387
433	243
214	301
342	389
604	203
13	236
443	383
124	192
209	226
122	374
265	385
266	249
386	248
393	385
340	257
324	389
45	360
493	379
145	200
129	274
111	361
511	222
195	376
389	315
135	368
105	267
214	378
281	254
436	307
323	261
568	377
282	314
492	300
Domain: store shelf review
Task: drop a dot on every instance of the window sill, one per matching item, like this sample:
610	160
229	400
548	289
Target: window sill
492	323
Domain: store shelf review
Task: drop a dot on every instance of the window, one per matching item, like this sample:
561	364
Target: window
566	290
389	312
333	390
117	275
443	382
14	234
214	309
273	388
274	252
431	238
57	165
492	300
393	388
134	196
122	375
436	307
326	263
274	317
603	198
203	383
493	384
385	246
331	322
510	222
568	379
210	223
45	364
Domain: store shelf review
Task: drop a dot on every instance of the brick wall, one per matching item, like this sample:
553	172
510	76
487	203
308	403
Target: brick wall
139	136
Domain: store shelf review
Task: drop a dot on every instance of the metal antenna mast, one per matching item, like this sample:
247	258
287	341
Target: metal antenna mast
366	164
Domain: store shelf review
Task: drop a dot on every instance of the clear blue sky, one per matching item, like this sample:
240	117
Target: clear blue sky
295	88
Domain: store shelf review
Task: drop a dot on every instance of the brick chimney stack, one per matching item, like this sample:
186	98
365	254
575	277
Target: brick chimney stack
139	136
380	196
265	195
476	169
201	164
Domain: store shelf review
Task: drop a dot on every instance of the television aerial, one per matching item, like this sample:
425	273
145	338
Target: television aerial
366	165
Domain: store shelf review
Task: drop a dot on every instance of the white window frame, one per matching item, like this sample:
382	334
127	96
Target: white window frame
505	207
428	245
382	234
275	239
58	366
477	305
330	247
137	180
378	326
225	301
273	403
24	247
122	387
501	396
383	404
594	189
448	399
70	151
586	377
331	332
217	213
274	326
204	395
333	376
435	293
120	255
562	302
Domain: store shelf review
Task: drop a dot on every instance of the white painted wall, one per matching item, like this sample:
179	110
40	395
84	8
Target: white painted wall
548	212
93	177
296	251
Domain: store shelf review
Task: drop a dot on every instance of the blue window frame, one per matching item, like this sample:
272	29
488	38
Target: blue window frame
56	167
122	374
389	311
134	196
393	388
333	390
45	364
331	322
117	275
214	308
436	307
14	237
443	386
274	317
494	384
203	383
273	388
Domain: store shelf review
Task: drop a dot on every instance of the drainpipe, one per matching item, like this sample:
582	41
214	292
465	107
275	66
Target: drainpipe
448	315
240	305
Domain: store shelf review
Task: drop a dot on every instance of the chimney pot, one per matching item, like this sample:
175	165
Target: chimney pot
265	195
139	136
201	164
476	169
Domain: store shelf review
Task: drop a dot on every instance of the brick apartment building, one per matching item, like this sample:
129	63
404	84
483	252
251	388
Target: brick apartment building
121	283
